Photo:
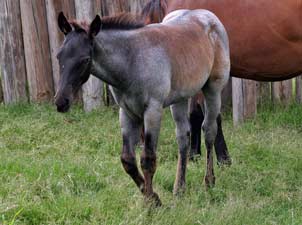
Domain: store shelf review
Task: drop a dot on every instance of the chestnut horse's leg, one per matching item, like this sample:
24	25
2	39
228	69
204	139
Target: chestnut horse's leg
152	120
180	116
196	119
221	149
131	134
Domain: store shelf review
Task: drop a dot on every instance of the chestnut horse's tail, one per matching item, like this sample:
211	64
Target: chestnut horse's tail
154	11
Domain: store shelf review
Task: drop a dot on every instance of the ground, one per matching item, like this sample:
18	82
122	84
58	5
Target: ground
65	169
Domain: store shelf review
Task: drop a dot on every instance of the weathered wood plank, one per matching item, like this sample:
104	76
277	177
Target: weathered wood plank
97	7
93	88
244	97
299	89
282	92
263	92
37	52
237	97
112	7
250	98
137	6
12	60
56	37
1	93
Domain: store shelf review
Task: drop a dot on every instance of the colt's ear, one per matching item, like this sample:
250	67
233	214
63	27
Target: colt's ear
63	24
95	27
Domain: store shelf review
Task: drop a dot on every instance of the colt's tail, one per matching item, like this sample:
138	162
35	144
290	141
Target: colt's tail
154	11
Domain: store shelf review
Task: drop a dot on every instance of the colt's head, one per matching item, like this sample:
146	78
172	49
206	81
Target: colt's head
75	58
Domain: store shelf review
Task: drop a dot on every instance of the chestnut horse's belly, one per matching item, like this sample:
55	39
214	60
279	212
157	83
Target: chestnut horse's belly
272	65
265	35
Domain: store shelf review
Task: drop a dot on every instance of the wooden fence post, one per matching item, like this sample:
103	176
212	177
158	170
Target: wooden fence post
12	62
1	92
136	7
244	97
37	53
56	37
282	92
263	92
237	97
112	7
93	88
299	89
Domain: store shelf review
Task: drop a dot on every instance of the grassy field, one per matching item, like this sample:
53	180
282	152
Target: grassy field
65	169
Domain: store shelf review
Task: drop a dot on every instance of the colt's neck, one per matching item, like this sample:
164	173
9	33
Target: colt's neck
110	59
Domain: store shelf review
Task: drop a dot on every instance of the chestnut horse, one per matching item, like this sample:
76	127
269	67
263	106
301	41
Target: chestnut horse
149	68
265	44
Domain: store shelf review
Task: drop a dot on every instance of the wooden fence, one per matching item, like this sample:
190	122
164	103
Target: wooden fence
247	94
29	39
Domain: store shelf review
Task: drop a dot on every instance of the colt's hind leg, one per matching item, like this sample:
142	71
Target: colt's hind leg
131	134
180	116
152	120
212	110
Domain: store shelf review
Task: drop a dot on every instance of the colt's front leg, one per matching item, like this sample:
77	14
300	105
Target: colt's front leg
131	134
152	120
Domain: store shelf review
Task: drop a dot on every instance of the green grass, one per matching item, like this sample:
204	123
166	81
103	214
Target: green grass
65	169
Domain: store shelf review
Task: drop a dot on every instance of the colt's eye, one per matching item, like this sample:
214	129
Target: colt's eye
85	61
